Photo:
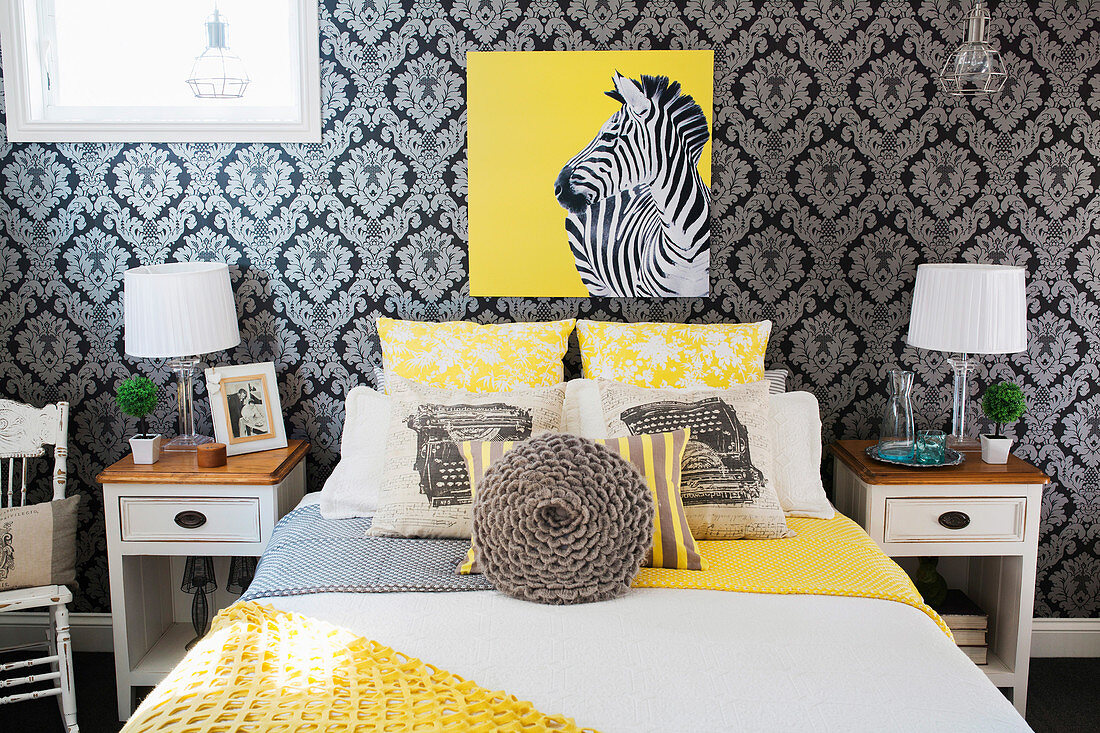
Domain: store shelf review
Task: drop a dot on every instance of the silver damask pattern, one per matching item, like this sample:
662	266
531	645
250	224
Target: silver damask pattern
838	166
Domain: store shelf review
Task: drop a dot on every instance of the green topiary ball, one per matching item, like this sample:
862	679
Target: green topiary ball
136	396
1004	403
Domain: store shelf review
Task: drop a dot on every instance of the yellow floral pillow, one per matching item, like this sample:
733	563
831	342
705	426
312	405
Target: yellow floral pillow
475	357
674	354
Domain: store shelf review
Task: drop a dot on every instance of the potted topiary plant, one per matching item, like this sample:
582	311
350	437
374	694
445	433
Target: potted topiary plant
1002	403
136	397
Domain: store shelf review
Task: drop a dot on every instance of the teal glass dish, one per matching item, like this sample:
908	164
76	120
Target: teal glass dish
931	447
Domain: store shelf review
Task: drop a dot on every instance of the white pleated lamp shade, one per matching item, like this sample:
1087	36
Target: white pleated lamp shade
969	309
179	309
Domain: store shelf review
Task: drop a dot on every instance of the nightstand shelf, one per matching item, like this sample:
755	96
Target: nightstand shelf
156	516
998	672
163	656
981	520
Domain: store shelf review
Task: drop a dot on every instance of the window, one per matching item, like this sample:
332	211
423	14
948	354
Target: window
161	71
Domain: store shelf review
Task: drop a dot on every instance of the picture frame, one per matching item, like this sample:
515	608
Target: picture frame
245	407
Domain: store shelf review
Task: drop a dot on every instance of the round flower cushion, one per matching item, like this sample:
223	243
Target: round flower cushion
559	519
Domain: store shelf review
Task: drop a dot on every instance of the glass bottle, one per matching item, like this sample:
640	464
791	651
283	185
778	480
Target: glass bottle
897	439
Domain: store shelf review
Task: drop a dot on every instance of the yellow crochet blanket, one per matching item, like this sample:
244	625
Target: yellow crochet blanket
833	557
259	669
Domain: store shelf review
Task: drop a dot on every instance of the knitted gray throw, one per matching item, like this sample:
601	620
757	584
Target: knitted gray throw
559	519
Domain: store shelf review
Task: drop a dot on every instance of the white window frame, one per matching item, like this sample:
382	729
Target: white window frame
30	119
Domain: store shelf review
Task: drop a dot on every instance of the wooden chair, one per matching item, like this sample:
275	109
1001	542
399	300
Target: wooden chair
24	431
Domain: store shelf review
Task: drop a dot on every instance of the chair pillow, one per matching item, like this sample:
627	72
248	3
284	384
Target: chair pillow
475	357
657	459
674	354
38	544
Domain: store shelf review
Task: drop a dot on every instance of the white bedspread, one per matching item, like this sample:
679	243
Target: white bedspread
691	660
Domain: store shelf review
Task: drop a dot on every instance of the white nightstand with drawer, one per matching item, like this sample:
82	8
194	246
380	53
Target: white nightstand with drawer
982	520
158	515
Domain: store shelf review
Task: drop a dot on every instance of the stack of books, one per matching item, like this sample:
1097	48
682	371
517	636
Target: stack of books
968	624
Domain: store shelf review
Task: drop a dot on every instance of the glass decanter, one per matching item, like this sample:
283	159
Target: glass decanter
897	439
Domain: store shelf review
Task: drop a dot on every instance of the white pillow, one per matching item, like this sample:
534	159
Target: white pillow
353	488
796	443
582	414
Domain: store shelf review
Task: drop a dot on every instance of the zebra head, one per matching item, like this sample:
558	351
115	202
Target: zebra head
656	129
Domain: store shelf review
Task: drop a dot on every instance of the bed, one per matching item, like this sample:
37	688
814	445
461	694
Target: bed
660	659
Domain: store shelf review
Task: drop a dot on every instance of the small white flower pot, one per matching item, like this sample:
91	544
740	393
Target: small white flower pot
146	448
995	449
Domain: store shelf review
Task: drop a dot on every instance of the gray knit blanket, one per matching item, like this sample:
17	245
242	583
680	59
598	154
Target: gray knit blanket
310	554
560	519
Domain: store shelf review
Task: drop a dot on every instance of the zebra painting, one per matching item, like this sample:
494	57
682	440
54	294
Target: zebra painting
638	219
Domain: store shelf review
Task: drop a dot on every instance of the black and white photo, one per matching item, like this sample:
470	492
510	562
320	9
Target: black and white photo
246	408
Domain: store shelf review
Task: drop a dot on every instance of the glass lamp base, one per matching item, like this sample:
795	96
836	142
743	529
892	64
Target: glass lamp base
958	439
186	442
964	443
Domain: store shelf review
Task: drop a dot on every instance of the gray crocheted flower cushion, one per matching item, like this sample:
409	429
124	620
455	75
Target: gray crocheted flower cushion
560	519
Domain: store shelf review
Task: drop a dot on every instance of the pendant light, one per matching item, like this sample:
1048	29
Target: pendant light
217	73
976	67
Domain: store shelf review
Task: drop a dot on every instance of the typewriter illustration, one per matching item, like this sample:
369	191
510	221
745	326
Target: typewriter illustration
439	430
717	466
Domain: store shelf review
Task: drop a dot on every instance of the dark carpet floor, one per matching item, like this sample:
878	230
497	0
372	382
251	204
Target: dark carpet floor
1064	698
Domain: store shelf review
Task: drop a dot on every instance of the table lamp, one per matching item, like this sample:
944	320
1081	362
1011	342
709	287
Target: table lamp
966	309
177	311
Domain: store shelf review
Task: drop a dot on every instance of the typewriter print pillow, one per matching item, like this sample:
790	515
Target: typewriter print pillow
425	488
727	483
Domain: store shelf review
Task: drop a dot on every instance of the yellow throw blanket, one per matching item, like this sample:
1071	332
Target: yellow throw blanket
833	557
259	669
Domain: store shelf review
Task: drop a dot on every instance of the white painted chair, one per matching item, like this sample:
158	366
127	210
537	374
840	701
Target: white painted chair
24	431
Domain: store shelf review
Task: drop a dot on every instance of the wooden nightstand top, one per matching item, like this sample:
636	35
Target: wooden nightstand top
267	467
973	471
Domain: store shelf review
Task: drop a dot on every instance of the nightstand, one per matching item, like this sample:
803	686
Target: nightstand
159	514
982	520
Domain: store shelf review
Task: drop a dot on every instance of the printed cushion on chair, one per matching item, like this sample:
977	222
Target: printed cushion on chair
38	544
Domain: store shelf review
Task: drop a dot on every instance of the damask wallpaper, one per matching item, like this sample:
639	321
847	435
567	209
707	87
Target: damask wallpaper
838	166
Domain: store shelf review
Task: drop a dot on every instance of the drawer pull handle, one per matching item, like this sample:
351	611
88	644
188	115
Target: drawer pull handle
954	520
191	519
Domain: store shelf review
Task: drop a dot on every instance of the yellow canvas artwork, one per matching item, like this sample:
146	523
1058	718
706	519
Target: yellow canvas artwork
589	173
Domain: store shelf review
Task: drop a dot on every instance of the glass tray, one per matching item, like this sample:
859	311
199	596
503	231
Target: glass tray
950	458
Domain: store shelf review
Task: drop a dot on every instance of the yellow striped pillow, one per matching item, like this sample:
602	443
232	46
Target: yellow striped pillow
657	458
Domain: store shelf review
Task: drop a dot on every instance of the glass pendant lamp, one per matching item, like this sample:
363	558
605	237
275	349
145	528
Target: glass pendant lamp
218	73
242	571
975	67
199	581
